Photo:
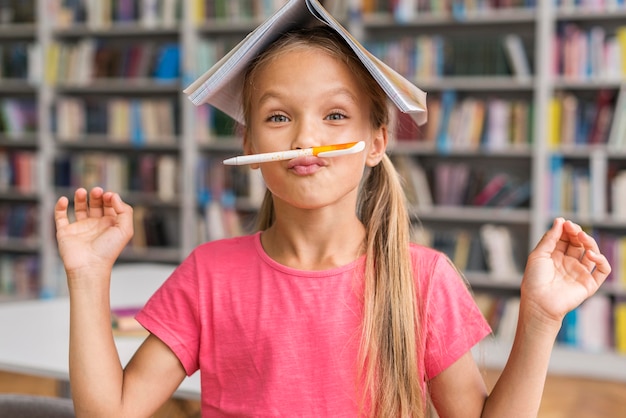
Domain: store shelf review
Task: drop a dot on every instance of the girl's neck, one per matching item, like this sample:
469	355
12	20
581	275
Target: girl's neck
314	244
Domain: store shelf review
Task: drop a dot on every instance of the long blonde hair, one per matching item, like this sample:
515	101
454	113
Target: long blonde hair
390	342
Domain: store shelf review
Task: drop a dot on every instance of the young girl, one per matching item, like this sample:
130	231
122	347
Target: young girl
328	310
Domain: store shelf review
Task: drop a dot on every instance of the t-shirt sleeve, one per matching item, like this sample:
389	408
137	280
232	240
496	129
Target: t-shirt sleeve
453	321
171	314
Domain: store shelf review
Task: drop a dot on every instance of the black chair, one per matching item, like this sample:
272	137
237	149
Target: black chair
32	406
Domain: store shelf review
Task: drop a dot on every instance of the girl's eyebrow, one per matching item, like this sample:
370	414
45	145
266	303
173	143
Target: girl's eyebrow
338	91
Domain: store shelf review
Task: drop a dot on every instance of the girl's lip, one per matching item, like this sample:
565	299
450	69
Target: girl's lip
306	161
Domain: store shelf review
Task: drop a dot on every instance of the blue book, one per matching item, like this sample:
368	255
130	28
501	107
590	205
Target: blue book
168	63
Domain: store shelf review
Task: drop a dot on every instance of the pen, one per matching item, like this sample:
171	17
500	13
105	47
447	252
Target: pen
321	151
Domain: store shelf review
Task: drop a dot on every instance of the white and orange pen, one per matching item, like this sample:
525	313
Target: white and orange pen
321	151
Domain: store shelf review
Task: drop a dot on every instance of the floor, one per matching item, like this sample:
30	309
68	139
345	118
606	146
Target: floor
563	397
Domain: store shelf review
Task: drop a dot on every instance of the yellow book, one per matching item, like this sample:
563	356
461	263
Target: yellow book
554	123
52	60
620	34
198	12
620	327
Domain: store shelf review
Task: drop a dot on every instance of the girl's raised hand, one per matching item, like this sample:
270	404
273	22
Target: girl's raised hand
102	228
563	270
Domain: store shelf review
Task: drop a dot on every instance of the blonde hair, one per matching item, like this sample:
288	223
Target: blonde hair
390	342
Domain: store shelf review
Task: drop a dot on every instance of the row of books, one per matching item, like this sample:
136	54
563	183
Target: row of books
613	246
15	59
120	119
154	228
570	189
430	56
219	218
461	184
501	313
17	11
233	10
597	326
216	182
19	276
584	53
404	10
88	59
472	123
105	13
574	187
152	174
211	124
590	5
487	249
18	117
18	171
582	120
18	221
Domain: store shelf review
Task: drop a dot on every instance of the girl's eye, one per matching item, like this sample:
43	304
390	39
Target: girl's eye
278	118
336	116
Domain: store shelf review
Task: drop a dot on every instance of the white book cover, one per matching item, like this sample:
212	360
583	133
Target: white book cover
221	85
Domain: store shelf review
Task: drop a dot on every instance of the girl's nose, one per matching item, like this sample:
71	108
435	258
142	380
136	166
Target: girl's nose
306	134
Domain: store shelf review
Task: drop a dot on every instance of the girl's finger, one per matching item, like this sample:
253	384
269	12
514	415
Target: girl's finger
601	268
551	239
60	212
81	210
95	202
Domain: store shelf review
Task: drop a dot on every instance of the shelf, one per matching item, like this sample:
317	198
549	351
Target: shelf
429	148
15	196
581	14
563	83
19	246
121	86
92	142
25	141
116	30
496	18
151	255
17	86
216	27
566	361
474	215
477	84
18	31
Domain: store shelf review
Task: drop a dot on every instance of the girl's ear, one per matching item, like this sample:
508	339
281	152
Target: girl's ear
378	147
247	148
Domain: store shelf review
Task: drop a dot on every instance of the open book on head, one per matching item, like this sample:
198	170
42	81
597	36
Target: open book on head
221	85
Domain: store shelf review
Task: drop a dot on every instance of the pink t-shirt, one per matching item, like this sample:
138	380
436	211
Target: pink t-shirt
270	340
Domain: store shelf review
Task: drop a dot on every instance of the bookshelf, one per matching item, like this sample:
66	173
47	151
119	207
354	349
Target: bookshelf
177	185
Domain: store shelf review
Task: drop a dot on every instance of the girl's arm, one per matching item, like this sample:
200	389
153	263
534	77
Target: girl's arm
563	270
89	247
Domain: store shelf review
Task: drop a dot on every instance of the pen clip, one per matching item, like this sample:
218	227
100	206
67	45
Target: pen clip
358	147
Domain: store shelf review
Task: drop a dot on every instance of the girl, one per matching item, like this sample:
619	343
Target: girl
327	310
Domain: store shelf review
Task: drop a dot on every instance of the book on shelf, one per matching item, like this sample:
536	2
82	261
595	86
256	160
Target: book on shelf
124	323
617	133
416	185
620	326
516	54
498	244
221	85
100	14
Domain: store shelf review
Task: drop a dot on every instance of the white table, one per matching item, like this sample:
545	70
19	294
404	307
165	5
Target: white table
34	335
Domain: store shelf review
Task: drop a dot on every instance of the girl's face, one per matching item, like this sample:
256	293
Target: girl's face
304	98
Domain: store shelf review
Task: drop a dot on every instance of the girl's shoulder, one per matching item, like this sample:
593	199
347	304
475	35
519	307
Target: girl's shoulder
228	246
